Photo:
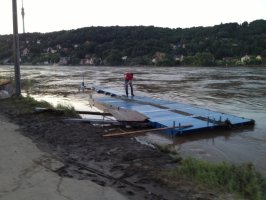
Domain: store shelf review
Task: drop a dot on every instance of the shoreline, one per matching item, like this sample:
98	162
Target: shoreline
28	173
148	66
122	164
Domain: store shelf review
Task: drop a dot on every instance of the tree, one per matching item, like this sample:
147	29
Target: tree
114	58
204	59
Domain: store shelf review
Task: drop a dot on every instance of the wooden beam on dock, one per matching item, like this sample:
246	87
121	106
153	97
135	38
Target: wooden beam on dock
4	82
41	110
120	114
146	130
94	121
93	113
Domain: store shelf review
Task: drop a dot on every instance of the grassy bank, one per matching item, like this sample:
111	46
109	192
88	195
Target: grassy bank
242	180
26	105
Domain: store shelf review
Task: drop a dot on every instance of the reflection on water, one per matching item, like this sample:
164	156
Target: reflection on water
239	91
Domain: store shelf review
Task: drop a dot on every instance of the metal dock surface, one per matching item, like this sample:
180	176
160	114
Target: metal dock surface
179	117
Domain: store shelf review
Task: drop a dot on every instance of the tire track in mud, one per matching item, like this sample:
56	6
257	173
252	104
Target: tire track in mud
134	190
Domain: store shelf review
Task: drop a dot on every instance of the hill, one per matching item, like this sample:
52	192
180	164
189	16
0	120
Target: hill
224	44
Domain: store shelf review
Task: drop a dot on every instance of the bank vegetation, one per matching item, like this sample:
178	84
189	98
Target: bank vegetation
229	44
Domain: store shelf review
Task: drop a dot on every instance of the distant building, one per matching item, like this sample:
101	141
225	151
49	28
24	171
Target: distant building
25	52
64	60
124	58
58	47
159	56
179	58
48	50
245	59
51	50
259	58
87	61
174	47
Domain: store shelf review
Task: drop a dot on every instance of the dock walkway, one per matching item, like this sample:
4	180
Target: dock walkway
179	117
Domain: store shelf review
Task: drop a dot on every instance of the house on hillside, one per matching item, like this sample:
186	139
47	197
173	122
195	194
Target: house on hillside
58	47
258	57
51	50
124	58
87	61
25	52
179	58
159	56
245	59
63	60
174	47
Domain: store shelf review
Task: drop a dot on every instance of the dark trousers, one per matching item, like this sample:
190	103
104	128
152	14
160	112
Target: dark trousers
127	82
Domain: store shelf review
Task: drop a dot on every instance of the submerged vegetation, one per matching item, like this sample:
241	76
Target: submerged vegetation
224	44
242	180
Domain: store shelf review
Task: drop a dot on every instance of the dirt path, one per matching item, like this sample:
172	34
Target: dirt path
28	173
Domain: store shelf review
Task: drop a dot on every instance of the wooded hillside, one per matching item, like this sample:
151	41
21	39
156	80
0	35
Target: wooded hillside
224	44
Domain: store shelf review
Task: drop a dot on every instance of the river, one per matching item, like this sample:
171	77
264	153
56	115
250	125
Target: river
239	91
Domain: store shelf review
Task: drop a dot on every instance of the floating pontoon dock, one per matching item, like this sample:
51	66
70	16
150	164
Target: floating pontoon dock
179	117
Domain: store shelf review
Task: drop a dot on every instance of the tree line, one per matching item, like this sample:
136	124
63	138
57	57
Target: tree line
224	44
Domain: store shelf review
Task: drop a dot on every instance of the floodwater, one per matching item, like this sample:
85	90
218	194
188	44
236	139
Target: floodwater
239	91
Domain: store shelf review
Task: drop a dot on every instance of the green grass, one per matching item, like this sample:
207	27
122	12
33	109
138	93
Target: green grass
242	179
67	110
26	105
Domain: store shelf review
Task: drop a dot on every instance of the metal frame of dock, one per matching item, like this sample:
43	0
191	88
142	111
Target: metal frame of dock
179	117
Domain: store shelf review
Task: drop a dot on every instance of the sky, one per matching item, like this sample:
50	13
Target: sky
55	15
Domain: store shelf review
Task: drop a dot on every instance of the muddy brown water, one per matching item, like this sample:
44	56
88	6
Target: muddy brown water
239	91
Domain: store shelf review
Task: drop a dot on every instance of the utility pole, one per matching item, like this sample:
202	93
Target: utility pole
23	14
16	48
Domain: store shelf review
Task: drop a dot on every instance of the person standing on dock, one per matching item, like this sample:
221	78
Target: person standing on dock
128	76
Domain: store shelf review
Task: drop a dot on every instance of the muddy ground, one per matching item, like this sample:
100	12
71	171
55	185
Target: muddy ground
121	163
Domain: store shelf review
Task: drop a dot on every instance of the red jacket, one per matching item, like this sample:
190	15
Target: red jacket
128	76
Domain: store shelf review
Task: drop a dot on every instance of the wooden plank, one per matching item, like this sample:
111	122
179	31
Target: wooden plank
120	114
147	130
93	121
40	110
4	82
93	113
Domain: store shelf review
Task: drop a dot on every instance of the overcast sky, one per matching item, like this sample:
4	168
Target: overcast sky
55	15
